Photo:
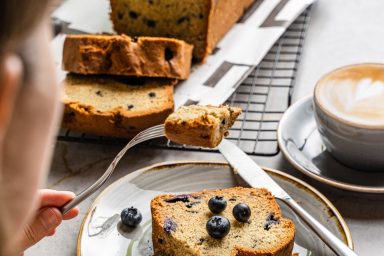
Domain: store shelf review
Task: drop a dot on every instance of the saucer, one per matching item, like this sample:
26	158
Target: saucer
300	142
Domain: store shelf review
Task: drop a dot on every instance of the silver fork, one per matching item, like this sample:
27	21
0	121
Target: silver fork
148	134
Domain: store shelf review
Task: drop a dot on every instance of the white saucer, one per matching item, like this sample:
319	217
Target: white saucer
300	142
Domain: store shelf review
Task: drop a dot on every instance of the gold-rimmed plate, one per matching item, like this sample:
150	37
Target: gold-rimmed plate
102	233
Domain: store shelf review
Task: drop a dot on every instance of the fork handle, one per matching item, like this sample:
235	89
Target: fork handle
73	203
95	186
337	246
150	133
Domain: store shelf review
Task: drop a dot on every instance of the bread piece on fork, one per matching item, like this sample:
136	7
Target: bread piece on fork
203	126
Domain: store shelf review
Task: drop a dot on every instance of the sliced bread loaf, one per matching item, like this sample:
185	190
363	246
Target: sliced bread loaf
179	225
122	55
203	126
115	106
199	22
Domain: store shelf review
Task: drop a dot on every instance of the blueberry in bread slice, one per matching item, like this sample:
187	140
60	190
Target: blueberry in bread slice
115	106
179	224
201	23
198	125
123	55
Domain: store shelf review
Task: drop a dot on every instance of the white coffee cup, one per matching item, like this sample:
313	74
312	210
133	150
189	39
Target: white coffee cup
349	111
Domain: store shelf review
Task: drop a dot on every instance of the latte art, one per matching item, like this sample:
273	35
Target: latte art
356	97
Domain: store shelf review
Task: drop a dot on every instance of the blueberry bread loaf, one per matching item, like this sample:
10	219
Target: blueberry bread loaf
203	126
115	106
122	55
201	23
187	224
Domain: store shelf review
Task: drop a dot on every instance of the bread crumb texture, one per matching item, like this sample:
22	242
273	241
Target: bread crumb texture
201	23
198	125
179	225
115	106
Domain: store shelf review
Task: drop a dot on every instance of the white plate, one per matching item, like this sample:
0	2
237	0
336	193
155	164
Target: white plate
102	233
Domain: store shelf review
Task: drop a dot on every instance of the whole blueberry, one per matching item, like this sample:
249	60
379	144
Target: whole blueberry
218	227
217	204
241	212
131	217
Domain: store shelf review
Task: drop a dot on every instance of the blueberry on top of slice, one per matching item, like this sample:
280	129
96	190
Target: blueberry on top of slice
131	217
217	204
218	227
241	212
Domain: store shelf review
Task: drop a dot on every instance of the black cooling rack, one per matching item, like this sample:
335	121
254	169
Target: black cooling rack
263	96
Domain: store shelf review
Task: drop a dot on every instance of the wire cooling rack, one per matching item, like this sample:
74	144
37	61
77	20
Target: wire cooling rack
263	96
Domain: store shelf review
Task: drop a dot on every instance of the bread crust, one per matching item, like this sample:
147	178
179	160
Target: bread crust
224	14
123	55
206	127
119	121
217	17
168	243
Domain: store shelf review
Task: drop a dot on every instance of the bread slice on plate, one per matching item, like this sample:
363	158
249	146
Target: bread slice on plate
198	125
115	106
179	225
201	23
123	55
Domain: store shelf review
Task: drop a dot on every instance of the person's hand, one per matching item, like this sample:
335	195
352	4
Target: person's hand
48	216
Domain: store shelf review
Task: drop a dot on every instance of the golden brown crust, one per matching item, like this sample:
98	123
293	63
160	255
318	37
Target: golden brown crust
122	55
201	23
194	132
223	15
203	126
181	242
116	121
86	120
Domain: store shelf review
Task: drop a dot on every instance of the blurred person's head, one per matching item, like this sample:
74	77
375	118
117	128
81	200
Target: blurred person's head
29	98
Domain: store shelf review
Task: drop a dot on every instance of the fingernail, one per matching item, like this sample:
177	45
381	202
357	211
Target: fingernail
49	218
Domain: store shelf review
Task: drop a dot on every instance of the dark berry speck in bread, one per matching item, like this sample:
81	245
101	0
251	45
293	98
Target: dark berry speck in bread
179	225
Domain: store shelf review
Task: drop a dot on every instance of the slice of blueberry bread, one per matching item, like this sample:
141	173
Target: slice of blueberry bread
115	106
201	23
123	55
227	222
198	125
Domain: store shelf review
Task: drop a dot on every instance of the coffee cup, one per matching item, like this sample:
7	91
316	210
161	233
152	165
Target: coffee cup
349	112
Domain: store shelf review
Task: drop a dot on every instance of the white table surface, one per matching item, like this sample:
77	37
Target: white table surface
341	32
